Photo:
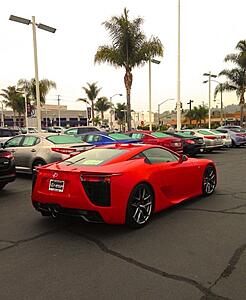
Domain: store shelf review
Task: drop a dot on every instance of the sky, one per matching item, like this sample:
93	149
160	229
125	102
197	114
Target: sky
209	31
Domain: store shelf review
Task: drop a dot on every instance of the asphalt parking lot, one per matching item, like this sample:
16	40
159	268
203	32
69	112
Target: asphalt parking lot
196	250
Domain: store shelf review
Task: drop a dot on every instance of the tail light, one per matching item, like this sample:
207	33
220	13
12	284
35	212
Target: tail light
240	134
7	154
97	187
210	137
176	144
190	141
34	178
63	150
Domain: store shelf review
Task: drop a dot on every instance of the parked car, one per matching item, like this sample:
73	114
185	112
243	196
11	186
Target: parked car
158	138
104	138
226	139
56	129
120	184
6	133
192	145
212	141
80	130
236	133
32	150
7	168
29	130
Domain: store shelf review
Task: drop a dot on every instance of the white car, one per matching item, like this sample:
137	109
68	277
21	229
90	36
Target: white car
212	141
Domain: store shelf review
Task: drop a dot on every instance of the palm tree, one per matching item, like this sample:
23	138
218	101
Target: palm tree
91	91
12	98
20	107
29	87
120	114
130	48
236	76
102	105
199	113
97	121
190	115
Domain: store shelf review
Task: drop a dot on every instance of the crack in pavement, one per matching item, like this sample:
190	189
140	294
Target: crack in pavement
206	291
17	243
214	211
231	264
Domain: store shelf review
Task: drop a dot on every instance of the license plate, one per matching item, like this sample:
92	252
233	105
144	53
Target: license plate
56	185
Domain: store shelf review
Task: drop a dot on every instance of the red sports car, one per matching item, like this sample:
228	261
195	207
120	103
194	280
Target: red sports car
120	184
158	138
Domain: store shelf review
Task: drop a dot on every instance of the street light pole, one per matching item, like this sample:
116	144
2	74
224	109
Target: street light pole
178	74
169	99
111	111
155	61
59	110
26	116
36	73
209	96
46	28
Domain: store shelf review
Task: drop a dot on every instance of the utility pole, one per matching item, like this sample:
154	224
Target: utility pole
189	103
59	110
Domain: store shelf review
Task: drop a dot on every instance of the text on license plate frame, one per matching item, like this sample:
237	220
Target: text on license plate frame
56	185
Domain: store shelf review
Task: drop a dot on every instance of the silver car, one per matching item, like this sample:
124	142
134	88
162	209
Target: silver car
212	141
32	150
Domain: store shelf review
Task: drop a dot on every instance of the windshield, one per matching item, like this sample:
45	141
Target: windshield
64	139
235	129
93	157
159	134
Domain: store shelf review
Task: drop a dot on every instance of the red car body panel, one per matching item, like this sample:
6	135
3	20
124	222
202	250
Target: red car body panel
171	182
170	142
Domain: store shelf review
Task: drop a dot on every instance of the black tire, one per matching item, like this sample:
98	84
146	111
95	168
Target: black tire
209	180
2	185
45	214
37	163
140	206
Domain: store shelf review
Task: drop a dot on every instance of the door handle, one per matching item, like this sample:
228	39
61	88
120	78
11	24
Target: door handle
33	150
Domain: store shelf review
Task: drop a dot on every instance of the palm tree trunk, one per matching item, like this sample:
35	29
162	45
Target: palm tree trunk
241	114
242	102
128	84
102	116
14	118
92	111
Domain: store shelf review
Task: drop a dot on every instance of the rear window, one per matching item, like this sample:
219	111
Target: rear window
215	131
159	134
93	157
64	139
205	132
183	134
119	136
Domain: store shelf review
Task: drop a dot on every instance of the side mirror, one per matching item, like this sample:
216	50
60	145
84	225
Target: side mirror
182	158
1	145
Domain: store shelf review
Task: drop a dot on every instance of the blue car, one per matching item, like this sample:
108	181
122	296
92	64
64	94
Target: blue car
105	138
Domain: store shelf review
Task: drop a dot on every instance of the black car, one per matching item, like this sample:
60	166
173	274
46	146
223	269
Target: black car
192	145
6	133
7	168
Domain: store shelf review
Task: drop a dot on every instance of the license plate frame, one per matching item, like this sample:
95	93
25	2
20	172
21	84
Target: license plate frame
56	185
